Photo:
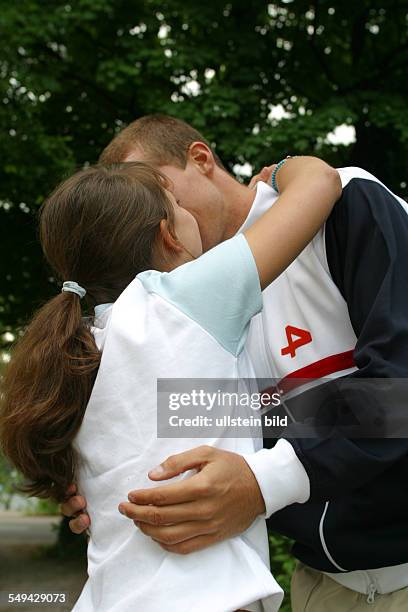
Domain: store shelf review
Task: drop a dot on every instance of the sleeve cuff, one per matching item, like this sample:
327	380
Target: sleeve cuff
281	476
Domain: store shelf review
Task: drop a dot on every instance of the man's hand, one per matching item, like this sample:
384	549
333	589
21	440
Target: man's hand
75	507
220	501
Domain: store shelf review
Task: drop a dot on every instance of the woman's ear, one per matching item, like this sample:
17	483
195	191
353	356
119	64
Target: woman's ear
169	241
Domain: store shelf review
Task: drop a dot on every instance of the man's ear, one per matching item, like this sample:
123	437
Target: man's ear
170	242
201	155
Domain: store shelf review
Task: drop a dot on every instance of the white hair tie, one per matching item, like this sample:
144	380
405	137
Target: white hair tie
73	287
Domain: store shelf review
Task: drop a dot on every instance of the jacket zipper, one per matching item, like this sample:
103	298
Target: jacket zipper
372	590
372	587
323	541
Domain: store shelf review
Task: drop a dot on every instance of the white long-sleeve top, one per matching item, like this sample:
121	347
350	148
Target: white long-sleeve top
189	323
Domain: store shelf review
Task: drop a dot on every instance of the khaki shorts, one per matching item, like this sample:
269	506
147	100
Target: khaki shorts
312	591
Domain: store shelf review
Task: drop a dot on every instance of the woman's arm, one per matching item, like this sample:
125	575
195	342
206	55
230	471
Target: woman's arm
309	189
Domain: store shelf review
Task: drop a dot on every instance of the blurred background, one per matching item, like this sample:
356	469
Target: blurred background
260	80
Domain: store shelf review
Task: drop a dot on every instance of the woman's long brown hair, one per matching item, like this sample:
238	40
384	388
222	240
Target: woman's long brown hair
98	228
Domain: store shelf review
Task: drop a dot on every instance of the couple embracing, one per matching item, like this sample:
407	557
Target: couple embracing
190	274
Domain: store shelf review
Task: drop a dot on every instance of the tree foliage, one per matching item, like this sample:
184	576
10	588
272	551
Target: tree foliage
261	80
73	73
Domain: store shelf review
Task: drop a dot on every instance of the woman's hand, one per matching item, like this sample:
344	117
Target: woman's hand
264	175
75	508
308	189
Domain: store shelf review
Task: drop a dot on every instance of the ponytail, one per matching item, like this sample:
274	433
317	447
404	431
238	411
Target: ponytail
46	388
99	227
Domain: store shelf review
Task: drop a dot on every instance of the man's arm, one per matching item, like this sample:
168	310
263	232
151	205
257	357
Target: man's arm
222	500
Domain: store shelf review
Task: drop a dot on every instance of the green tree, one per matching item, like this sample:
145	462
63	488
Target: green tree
8	480
72	73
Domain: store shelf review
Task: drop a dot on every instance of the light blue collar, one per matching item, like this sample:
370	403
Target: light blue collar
100	308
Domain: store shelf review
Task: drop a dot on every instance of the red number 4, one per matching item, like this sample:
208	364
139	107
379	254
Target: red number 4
302	337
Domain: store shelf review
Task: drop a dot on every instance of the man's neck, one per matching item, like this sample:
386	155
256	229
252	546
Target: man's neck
238	200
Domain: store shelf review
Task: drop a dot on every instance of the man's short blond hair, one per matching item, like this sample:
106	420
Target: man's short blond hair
164	140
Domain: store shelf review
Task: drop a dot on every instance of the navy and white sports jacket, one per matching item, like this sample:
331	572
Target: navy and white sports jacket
341	311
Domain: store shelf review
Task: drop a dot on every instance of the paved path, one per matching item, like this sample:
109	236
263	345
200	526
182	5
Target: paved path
25	568
15	529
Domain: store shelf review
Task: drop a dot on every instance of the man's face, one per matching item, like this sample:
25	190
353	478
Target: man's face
197	194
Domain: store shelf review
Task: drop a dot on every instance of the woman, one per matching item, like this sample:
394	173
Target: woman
80	398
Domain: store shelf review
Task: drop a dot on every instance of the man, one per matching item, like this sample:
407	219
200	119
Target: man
339	311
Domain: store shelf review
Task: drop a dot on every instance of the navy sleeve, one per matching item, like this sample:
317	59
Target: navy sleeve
367	252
